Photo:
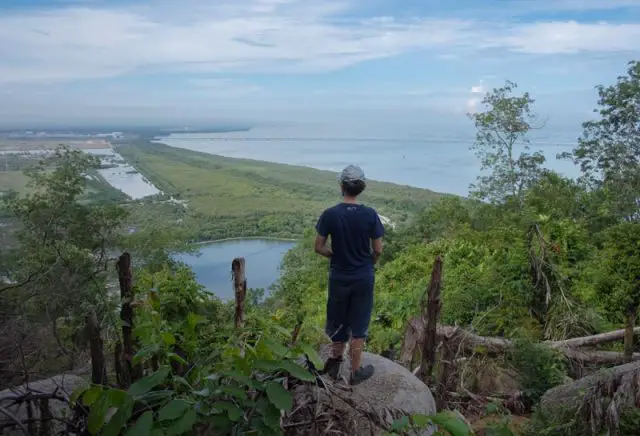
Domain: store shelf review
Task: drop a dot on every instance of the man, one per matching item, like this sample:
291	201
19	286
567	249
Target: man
356	245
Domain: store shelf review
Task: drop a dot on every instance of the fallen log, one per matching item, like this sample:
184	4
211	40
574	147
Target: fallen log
593	404
466	340
568	347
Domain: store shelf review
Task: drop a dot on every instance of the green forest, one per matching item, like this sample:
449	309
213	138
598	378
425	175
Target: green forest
540	288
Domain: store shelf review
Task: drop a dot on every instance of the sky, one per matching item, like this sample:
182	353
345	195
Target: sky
277	61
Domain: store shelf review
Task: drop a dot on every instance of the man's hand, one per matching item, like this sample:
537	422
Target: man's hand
321	247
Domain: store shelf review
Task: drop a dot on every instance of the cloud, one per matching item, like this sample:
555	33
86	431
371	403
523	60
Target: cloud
568	37
260	36
78	43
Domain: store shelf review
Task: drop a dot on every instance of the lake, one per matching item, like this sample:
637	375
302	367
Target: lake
213	265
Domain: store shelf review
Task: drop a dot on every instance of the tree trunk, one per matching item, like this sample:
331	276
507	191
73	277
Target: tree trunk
433	316
632	312
98	363
131	373
240	287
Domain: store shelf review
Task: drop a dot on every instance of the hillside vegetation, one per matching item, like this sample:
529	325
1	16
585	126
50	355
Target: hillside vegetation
532	259
228	197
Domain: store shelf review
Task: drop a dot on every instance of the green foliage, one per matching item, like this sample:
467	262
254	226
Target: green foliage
500	130
540	368
238	197
609	150
610	277
443	421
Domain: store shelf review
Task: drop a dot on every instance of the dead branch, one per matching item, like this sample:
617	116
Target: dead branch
433	316
13	418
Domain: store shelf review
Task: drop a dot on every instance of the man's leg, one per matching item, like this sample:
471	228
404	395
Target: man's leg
337	327
360	310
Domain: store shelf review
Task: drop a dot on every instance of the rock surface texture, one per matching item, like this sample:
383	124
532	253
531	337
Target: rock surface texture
62	385
365	409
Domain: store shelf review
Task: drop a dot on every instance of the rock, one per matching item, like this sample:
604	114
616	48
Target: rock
63	385
393	391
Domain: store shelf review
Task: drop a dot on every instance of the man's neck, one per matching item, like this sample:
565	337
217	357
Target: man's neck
349	200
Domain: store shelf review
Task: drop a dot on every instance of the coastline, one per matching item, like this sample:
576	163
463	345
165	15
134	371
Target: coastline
242	238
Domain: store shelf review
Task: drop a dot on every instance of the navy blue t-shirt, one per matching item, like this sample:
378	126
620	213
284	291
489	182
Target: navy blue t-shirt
351	227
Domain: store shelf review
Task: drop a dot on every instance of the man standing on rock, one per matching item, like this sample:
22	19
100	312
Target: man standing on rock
356	245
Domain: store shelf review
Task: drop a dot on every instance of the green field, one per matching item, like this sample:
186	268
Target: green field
13	181
229	197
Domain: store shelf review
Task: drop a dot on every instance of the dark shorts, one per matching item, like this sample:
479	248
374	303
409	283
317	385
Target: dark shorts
349	308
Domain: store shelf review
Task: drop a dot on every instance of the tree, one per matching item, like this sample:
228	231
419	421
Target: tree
501	129
63	246
616	275
609	150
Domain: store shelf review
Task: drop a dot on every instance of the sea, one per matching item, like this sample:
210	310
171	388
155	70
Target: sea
415	156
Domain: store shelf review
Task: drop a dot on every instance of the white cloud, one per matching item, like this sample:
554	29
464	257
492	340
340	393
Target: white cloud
260	36
568	37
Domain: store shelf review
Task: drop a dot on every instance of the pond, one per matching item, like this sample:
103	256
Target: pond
213	264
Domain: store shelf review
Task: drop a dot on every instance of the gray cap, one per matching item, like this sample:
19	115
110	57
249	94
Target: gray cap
352	173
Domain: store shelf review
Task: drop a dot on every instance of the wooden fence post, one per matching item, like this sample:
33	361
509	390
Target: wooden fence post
240	287
433	316
98	363
131	373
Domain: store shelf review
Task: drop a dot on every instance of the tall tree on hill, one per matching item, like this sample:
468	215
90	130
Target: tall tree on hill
503	147
609	150
62	252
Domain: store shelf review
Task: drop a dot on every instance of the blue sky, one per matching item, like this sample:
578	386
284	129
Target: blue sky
195	61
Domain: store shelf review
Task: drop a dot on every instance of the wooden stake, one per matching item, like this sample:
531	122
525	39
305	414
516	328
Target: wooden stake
240	287
125	277
98	364
433	316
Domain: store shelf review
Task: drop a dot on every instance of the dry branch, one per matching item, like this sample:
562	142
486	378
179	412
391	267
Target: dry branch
433	316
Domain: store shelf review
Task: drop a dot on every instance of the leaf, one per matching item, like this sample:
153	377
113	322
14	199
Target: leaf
297	371
184	424
91	395
77	394
174	409
233	411
492	408
313	356
168	338
276	348
235	392
176	358
420	420
142	426
279	396
145	353
267	365
452	424
400	424
119	420
117	397
149	382
98	414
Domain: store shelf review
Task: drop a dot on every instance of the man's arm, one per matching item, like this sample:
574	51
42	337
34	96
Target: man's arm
376	245
321	246
322	227
376	238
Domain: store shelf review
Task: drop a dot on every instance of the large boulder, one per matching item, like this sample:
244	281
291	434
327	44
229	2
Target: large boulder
61	385
364	409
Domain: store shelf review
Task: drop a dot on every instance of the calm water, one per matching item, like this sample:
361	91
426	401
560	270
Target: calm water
213	266
442	163
123	176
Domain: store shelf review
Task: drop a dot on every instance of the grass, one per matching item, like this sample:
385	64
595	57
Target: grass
13	181
230	197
